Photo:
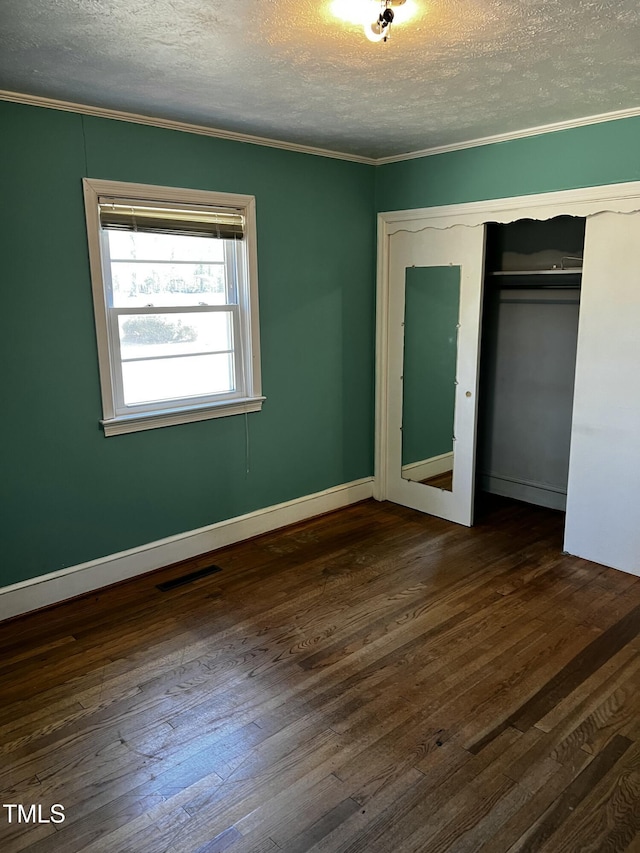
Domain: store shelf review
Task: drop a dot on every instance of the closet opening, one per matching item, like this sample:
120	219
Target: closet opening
532	279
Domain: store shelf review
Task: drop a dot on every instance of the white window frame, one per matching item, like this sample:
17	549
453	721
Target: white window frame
248	396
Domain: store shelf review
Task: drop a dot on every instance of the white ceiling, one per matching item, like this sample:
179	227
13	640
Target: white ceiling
289	70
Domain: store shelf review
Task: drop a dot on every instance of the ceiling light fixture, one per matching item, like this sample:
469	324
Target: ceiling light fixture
374	16
379	29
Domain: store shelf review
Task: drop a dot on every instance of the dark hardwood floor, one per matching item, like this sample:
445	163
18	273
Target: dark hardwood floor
440	481
374	680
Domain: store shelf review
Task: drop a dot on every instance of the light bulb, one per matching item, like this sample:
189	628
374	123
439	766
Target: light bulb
374	31
367	12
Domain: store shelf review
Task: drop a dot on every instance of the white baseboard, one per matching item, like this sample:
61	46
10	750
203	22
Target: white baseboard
426	468
541	494
76	580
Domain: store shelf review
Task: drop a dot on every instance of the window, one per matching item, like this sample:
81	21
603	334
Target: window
175	298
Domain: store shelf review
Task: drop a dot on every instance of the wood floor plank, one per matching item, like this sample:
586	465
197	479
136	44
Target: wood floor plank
608	818
515	828
586	697
555	816
281	819
371	681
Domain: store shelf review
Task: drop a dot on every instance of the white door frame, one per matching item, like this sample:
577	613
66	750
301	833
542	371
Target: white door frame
587	201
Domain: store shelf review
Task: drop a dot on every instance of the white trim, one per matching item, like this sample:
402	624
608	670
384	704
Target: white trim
170	124
172	195
76	580
154	420
587	201
538	130
247	397
540	494
252	369
425	468
234	136
382	363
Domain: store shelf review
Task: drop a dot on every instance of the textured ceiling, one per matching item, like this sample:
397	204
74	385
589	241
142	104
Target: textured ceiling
289	70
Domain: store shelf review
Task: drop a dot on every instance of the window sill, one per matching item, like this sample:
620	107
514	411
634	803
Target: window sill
169	417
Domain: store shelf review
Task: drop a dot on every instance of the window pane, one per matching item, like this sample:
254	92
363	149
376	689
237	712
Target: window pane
131	245
161	335
177	378
167	284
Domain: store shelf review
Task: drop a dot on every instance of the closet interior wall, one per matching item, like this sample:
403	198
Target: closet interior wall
528	358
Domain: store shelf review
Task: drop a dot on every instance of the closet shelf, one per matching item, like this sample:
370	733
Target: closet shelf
574	271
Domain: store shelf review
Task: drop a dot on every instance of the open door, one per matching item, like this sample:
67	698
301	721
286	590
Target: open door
435	298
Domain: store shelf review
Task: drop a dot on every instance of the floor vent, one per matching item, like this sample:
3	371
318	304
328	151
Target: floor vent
185	579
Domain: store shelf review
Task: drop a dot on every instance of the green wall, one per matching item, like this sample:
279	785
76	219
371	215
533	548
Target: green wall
432	308
596	154
68	493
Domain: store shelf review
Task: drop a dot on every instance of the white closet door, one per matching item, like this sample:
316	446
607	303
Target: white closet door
603	495
437	390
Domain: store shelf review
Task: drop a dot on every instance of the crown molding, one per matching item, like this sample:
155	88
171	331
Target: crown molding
233	136
170	124
515	134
